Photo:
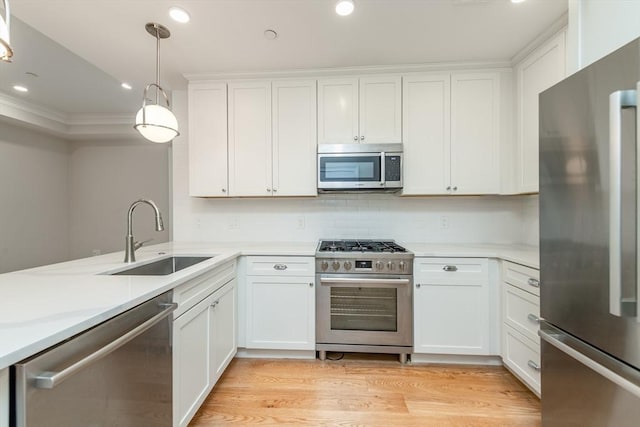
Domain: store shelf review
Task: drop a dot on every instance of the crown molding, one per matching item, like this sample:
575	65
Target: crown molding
504	65
67	126
557	26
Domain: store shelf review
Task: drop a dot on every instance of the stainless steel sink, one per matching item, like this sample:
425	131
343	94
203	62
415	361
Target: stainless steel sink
162	267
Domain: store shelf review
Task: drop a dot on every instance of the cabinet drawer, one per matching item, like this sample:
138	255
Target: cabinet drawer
525	278
280	266
190	293
522	311
451	271
523	357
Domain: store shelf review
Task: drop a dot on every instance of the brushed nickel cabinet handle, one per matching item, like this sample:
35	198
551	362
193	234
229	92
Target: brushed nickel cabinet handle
450	268
533	318
533	365
280	267
533	282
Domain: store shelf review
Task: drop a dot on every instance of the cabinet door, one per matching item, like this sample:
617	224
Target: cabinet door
538	72
381	109
208	139
451	306
281	313
475	112
294	138
250	139
190	362
338	111
223	328
426	129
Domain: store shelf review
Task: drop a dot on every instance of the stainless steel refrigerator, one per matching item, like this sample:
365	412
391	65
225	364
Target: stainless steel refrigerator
589	246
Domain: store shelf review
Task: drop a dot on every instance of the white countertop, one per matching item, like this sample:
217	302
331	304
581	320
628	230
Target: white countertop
43	306
520	254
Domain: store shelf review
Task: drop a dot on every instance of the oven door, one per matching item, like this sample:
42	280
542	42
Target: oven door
350	171
364	309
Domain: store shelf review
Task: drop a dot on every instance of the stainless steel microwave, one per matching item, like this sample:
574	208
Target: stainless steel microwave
359	167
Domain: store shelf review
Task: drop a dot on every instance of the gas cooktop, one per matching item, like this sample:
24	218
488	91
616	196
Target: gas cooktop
384	246
363	256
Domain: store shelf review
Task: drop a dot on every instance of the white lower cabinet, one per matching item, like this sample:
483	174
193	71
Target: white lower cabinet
204	343
452	308
4	397
280	297
520	323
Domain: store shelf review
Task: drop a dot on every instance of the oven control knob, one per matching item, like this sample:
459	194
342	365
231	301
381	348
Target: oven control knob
402	266
347	265
324	265
335	265
391	266
379	265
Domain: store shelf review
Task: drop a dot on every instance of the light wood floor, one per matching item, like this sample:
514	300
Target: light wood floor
366	391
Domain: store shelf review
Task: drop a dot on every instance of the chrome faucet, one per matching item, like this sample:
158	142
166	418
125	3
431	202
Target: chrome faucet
131	246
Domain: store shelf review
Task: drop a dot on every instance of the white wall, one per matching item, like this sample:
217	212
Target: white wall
106	177
598	27
34	189
416	219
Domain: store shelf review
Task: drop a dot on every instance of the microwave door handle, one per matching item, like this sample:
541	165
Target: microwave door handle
383	173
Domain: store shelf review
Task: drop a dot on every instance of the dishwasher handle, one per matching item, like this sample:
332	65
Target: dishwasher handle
48	380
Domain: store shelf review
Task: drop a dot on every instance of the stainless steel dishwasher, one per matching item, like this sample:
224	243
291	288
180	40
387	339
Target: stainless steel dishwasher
118	373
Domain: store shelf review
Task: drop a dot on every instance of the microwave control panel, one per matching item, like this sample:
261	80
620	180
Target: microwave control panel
392	168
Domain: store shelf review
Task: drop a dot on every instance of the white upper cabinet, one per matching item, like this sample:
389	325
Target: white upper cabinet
475	133
381	109
360	110
540	70
451	133
208	139
294	138
250	166
426	130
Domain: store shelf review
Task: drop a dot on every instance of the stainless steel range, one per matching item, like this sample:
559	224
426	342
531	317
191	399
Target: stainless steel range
364	297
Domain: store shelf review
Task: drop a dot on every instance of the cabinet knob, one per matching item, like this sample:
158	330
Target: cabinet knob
215	303
311	284
275	190
455	188
224	190
418	285
449	188
362	138
355	138
268	190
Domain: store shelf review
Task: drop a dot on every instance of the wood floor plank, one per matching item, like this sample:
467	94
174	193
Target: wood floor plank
366	392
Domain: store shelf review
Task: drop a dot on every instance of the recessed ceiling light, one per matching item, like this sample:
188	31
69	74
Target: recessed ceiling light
19	88
344	7
178	14
126	86
517	1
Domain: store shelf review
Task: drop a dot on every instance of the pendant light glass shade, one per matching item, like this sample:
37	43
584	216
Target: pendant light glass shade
5	46
156	122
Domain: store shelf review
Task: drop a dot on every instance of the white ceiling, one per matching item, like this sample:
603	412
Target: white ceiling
227	36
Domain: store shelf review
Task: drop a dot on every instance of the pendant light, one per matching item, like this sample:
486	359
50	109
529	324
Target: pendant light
156	122
5	46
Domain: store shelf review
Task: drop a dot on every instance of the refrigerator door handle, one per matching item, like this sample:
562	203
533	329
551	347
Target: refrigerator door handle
610	368
617	101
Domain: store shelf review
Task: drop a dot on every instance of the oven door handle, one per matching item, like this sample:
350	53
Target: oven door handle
361	281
